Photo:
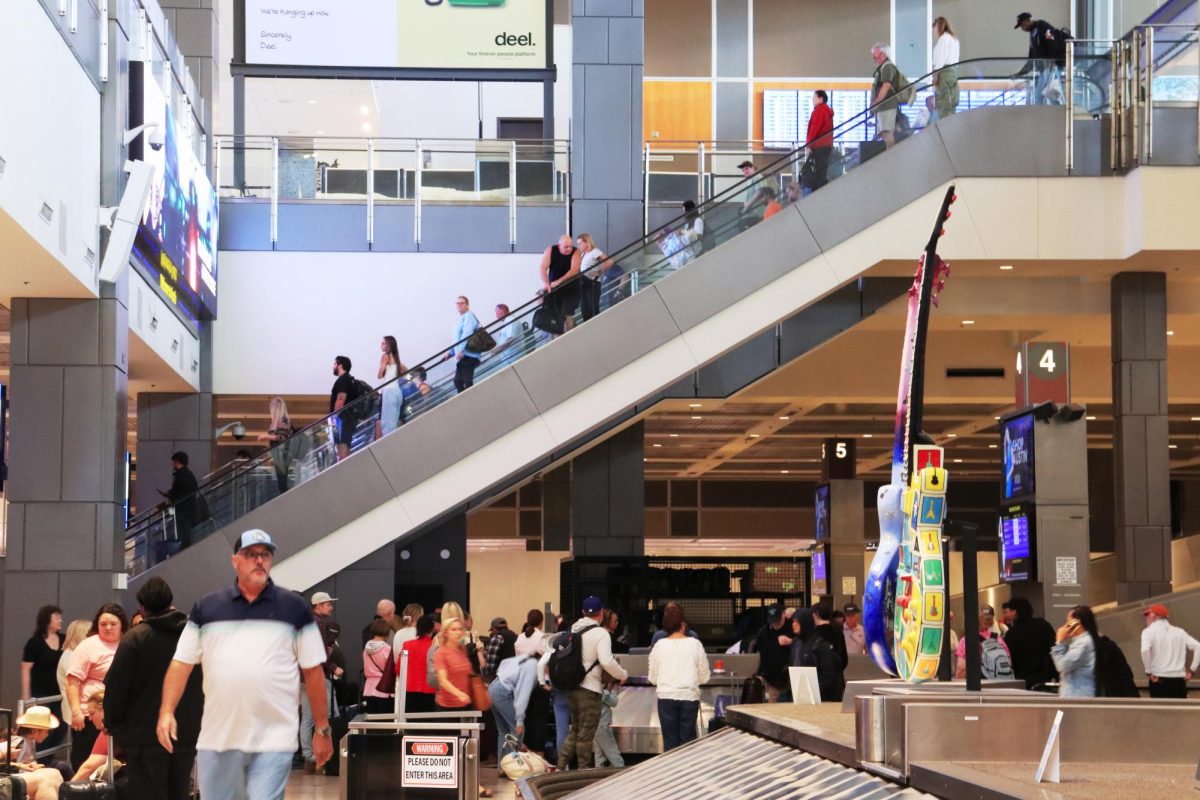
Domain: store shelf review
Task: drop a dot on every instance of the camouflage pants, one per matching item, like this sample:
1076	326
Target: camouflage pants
585	718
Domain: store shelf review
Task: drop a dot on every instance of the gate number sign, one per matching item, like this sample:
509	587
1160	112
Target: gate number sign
430	762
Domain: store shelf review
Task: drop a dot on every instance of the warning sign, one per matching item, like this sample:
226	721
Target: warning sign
430	762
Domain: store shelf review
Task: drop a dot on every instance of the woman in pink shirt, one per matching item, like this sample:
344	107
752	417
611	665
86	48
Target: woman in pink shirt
85	676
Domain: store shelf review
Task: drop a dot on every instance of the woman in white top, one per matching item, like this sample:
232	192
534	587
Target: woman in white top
945	57
678	666
532	641
390	366
592	267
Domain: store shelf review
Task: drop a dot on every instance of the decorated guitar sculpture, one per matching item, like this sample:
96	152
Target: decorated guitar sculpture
904	604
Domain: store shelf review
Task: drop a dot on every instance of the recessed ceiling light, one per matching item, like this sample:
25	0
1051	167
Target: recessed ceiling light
1091	419
755	435
364	110
993	446
785	419
312	102
1195	419
958	461
783	472
1173	447
968	322
954	436
366	127
1170	333
1006	267
693	405
674	435
320	133
656	444
868	435
697	417
995	418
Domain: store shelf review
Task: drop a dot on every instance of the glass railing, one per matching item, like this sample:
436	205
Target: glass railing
416	172
157	535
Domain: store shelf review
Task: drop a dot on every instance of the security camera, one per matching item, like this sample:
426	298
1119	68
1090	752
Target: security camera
239	430
154	137
236	429
153	132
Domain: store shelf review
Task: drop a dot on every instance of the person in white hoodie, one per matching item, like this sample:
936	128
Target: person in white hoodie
678	667
585	702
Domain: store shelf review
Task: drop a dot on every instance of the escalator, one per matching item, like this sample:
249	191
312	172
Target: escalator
681	318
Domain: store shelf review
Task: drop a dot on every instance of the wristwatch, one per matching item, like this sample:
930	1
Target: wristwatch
324	731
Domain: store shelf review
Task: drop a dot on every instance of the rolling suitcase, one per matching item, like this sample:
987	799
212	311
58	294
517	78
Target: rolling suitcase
93	790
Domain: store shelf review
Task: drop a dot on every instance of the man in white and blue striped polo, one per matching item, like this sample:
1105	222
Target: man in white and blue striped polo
252	641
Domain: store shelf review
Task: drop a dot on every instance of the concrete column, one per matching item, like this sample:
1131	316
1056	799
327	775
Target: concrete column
195	27
66	446
432	567
1061	502
606	131
608	497
166	423
1141	472
847	533
556	509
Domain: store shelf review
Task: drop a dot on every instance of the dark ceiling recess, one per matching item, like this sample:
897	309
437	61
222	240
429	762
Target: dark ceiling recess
975	372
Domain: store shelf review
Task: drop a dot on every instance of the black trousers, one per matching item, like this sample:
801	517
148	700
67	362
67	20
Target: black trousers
155	774
1170	688
590	298
418	703
379	705
535	719
820	157
464	373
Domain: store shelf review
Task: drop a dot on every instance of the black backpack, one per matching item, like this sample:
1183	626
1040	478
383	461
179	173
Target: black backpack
566	668
361	411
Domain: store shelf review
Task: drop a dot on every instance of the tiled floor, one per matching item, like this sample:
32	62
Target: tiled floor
319	787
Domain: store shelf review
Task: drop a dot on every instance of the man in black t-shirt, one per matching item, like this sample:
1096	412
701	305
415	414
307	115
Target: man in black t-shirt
339	397
774	649
183	494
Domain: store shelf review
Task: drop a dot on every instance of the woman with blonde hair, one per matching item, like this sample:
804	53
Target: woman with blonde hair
592	268
946	55
454	670
408	625
279	431
77	631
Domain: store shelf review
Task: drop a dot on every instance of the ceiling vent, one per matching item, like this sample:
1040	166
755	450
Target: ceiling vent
975	372
89	258
46	212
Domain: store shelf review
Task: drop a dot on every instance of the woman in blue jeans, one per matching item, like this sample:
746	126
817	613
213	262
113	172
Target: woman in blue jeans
678	667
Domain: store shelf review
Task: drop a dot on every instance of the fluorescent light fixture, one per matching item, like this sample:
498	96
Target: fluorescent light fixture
993	446
656	444
755	435
697	417
958	461
1172	447
785	419
868	435
783	472
954	436
694	405
1170	333
673	435
1090	419
1006	267
968	322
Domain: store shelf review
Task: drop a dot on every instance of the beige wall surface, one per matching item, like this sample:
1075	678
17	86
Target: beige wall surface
985	28
507	584
678	38
817	38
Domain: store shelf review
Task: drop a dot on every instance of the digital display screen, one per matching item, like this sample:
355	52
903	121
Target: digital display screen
1016	530
1017	454
821	507
458	34
175	247
820	573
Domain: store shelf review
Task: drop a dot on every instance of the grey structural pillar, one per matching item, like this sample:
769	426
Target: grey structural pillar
1141	472
606	115
358	589
732	60
847	542
168	422
66	447
608	497
431	568
1063	518
195	27
556	509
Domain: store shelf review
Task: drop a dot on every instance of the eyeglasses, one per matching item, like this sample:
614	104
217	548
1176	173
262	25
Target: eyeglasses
257	555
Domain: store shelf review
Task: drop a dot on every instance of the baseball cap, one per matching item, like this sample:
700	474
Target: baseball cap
1158	609
1024	15
850	608
745	164
252	537
592	604
774	612
498	623
321	597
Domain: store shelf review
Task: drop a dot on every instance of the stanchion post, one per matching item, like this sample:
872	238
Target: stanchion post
968	533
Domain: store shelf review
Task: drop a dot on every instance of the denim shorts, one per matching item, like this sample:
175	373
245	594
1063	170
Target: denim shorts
237	775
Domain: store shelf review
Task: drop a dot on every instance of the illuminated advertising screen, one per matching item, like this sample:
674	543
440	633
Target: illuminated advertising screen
1017	454
428	34
176	246
821	508
1016	534
820	572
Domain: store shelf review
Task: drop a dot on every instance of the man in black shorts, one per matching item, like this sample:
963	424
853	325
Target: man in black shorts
342	394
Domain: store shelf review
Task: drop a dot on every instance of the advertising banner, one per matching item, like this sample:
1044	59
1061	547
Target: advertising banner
424	34
175	247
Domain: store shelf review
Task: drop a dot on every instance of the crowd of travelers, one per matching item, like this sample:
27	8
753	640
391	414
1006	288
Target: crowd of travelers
252	682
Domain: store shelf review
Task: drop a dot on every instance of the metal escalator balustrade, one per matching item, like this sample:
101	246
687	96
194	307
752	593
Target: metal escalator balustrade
153	537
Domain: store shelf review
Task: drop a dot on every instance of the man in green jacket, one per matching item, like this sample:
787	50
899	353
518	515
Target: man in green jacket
885	93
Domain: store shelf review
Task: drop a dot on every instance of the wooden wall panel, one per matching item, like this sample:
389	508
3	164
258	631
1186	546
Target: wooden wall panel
678	38
677	110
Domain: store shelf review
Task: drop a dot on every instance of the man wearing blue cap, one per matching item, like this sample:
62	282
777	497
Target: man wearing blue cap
585	701
253	640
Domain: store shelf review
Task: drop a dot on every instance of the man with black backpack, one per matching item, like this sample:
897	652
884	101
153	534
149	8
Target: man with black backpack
344	392
574	658
1047	55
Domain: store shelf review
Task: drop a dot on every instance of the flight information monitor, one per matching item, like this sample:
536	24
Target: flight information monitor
1017	531
786	113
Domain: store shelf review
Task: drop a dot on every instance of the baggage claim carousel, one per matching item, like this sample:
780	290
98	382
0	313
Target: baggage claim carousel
891	739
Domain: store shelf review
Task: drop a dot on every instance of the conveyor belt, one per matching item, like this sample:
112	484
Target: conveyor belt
736	765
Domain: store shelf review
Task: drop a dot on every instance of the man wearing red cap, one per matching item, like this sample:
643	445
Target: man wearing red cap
1164	654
